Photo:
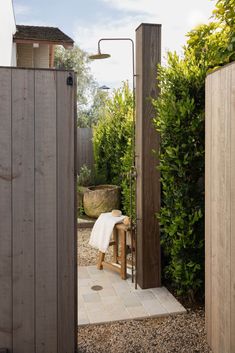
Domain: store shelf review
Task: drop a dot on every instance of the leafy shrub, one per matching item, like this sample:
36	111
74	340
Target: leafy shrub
225	13
113	142
180	121
85	177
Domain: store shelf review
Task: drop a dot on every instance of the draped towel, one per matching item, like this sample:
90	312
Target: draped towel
102	231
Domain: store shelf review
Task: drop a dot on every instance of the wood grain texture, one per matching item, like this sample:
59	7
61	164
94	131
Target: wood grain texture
138	155
65	214
232	198
215	221
122	238
46	212
220	207
5	210
208	177
23	209
148	55
38	278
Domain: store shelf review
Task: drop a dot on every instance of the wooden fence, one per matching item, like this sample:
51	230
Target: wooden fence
37	229
85	154
220	209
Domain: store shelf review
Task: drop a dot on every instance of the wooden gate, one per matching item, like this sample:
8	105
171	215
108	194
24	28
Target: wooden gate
37	211
220	209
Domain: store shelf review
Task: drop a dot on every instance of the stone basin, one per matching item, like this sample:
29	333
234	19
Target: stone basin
100	199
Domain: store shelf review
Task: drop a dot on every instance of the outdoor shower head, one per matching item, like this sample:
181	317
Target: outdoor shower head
99	56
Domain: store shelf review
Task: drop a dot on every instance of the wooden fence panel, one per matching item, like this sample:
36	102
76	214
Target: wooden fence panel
38	289
85	154
220	207
5	211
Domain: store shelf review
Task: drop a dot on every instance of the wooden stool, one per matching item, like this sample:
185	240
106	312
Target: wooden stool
119	264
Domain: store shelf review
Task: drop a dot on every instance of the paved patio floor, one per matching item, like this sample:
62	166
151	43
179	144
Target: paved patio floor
118	299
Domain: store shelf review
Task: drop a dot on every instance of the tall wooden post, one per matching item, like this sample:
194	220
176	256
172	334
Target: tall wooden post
148	55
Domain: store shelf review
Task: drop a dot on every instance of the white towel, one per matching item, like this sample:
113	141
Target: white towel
102	231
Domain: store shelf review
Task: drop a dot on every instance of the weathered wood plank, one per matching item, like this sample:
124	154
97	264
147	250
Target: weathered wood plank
227	211
139	154
5	211
232	235
220	208
23	209
122	237
65	215
46	212
148	48
208	177
215	219
224	211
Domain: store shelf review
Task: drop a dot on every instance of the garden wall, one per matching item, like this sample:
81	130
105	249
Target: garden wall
220	209
37	228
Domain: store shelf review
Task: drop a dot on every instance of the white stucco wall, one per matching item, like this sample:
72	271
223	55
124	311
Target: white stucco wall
7	30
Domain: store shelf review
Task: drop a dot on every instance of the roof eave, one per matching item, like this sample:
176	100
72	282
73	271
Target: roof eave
65	44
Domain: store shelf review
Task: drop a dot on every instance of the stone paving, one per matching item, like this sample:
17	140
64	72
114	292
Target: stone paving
114	299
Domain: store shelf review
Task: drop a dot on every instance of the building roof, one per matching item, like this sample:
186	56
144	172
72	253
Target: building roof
40	33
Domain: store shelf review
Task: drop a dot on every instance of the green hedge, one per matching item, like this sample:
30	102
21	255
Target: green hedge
113	142
180	121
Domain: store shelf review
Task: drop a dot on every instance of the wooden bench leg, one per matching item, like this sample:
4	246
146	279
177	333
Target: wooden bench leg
123	254
115	246
100	261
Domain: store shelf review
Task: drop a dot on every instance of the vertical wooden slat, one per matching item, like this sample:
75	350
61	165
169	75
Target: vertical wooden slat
232	199
5	211
208	176
45	212
75	251
224	212
65	215
148	51
220	209
23	209
227	211
215	214
139	151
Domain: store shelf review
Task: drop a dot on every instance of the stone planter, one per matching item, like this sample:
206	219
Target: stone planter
100	199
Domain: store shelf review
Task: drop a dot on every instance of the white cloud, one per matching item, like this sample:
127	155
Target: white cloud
176	17
196	18
118	68
146	6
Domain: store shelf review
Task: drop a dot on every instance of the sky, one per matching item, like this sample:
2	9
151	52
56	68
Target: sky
86	21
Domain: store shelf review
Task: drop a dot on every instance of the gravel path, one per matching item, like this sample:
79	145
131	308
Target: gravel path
180	334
